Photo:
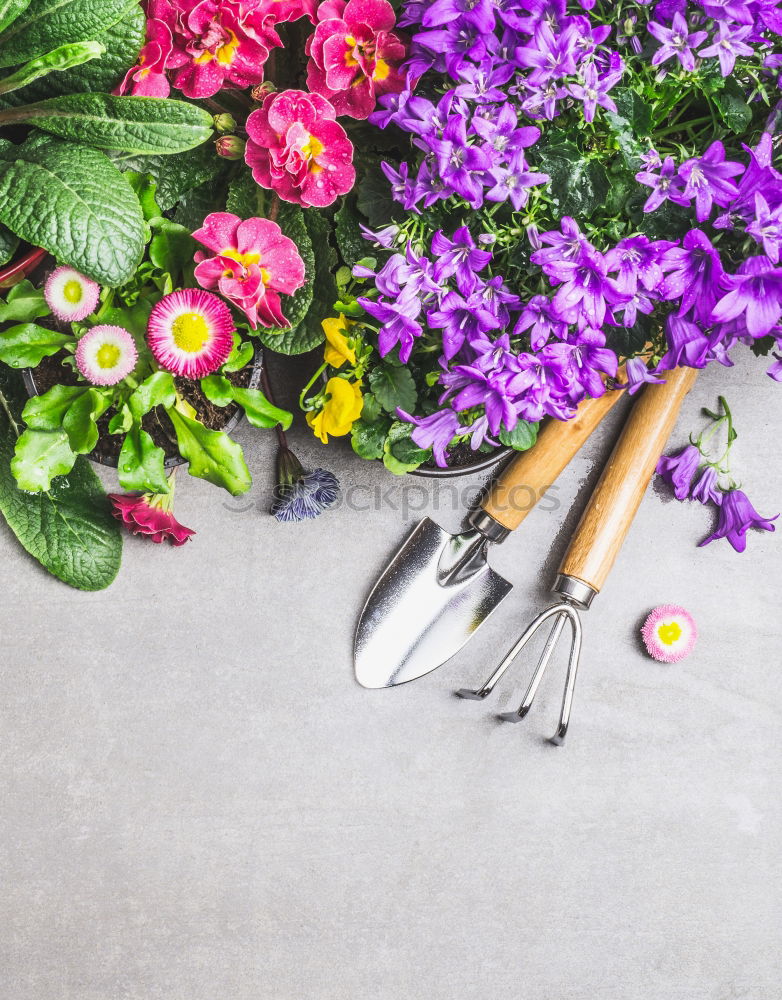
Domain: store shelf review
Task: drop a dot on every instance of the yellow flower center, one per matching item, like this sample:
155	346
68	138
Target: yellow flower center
245	259
108	356
381	70
190	332
73	292
225	54
311	148
669	634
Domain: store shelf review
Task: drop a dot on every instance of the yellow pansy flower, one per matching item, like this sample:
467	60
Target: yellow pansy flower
337	351
341	410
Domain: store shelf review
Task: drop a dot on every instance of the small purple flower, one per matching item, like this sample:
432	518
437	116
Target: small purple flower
461	319
677	470
436	431
687	345
676	41
549	55
737	516
695	277
585	287
301	495
728	46
708	180
637	374
593	87
766	228
538	318
666	186
756	293
626	34
705	489
637	259
591	360
459	256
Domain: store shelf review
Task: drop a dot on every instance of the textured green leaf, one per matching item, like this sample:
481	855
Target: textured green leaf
39	457
47	24
368	439
394	387
122	42
24	303
75	203
299	338
8	245
142	465
523	436
352	245
25	345
172	248
10	10
375	200
141	125
733	109
177	174
212	455
245	197
66	57
69	530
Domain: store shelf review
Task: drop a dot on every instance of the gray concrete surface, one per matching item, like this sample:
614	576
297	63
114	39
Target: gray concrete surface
199	802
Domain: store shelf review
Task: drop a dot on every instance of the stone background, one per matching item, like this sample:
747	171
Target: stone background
198	801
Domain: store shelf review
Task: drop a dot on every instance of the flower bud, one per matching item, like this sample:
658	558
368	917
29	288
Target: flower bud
262	91
225	123
230	147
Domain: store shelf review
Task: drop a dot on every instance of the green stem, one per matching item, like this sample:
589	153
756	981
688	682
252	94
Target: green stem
310	384
7	409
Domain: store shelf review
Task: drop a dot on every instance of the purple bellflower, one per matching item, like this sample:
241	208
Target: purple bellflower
736	517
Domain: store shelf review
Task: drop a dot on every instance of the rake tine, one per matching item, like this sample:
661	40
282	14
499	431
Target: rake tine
545	656
570	683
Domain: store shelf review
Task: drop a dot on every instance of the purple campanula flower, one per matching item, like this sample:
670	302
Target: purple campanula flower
585	287
637	374
737	516
590	358
766	228
429	186
491	389
638	302
775	371
385	238
667	185
637	259
676	41
538	318
550	55
708	180
402	185
728	46
436	431
695	275
461	319
759	177
478	13
687	345
677	470
543	99
512	182
502	133
461	166
705	489
399	326
755	293
565	243
626	34
498	298
459	256
651	159
732	10
593	87
483	84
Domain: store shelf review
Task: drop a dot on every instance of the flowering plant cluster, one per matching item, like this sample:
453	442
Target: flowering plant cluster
583	185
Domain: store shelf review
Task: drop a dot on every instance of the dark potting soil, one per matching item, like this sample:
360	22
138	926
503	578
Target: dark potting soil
51	372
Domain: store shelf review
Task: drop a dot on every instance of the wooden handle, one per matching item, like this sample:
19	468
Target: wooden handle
524	482
617	497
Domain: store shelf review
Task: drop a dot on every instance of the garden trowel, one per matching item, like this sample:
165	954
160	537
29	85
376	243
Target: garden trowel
439	588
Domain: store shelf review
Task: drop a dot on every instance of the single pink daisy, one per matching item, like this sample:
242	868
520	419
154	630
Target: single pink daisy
69	295
105	355
669	633
190	332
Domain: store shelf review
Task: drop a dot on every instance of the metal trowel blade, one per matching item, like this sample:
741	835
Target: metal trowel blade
436	592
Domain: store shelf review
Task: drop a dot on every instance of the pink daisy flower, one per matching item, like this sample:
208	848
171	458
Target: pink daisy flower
297	149
105	355
251	263
190	333
70	296
669	633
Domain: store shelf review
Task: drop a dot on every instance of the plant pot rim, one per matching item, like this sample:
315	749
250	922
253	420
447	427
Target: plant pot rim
173	461
486	462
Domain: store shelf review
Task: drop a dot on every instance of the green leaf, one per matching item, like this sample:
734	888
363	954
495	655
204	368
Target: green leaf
368	439
258	410
145	187
47	411
523	436
245	197
212	455
352	245
375	200
299	338
157	390
372	409
23	304
80	423
8	246
147	125
74	202
69	530
179	174
393	386
10	10
39	457
172	248
122	42
241	355
400	453
65	57
142	465
733	108
47	24
25	346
